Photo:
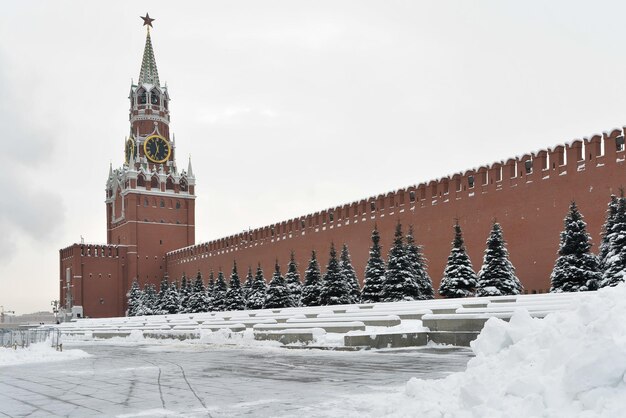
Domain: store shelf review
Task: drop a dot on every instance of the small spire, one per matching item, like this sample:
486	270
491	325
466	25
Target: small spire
110	170
189	169
131	163
149	73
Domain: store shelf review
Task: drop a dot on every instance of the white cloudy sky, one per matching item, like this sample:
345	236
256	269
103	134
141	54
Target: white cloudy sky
287	107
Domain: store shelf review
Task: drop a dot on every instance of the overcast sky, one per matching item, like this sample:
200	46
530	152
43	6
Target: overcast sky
287	107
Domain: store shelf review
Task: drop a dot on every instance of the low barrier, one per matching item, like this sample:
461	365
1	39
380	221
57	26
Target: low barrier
24	337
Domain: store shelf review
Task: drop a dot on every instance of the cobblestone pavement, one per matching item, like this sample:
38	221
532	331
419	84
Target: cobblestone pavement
212	381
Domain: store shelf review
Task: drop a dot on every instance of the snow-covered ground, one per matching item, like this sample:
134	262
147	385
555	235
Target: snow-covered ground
178	379
37	353
570	364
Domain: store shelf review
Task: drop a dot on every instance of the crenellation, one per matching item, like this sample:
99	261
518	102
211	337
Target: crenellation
495	173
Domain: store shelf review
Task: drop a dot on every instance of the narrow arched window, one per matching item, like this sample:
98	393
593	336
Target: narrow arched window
142	97
154	97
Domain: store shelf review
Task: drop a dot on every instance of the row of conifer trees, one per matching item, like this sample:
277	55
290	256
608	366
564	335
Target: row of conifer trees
577	268
403	277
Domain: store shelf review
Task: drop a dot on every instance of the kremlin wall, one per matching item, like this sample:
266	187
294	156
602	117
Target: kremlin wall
528	195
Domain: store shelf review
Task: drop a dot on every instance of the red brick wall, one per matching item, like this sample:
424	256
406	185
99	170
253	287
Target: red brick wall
98	277
530	205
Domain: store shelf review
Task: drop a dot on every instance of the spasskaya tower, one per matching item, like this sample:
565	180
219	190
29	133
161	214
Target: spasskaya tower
150	201
149	205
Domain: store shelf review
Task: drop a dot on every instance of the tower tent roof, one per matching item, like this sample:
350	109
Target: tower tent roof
149	73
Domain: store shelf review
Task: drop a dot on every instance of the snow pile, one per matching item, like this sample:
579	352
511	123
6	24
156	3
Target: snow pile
570	364
37	353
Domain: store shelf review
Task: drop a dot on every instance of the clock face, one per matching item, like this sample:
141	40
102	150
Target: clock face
130	149
157	149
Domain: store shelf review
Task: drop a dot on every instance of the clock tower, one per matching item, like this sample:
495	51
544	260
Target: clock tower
149	200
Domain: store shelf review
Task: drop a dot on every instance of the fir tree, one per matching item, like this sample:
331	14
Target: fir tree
374	272
312	283
606	228
135	296
149	300
162	295
399	283
199	300
335	289
497	275
247	286
185	293
576	269
234	295
292	278
419	267
615	264
219	292
210	287
277	291
459	279
258	292
350	275
169	299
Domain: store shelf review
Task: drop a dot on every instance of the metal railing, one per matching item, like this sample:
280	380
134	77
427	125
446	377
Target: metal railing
24	337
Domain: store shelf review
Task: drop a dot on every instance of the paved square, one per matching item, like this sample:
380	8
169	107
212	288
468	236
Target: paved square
203	380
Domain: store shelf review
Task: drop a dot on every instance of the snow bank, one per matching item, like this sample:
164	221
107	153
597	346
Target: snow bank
37	353
570	364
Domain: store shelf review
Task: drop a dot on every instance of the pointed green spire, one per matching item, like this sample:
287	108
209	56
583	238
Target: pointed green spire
149	73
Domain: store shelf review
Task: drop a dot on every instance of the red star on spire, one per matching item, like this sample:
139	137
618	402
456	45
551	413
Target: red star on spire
147	20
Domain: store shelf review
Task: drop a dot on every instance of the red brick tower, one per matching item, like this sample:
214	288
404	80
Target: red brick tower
150	201
150	208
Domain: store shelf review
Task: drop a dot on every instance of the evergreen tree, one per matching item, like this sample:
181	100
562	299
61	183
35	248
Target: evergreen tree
459	279
350	275
258	292
606	228
234	295
292	278
277	291
576	269
210	288
335	289
312	283
615	264
169	299
399	283
185	293
149	300
497	275
199	300
135	296
247	287
162	296
219	292
374	272
419	267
